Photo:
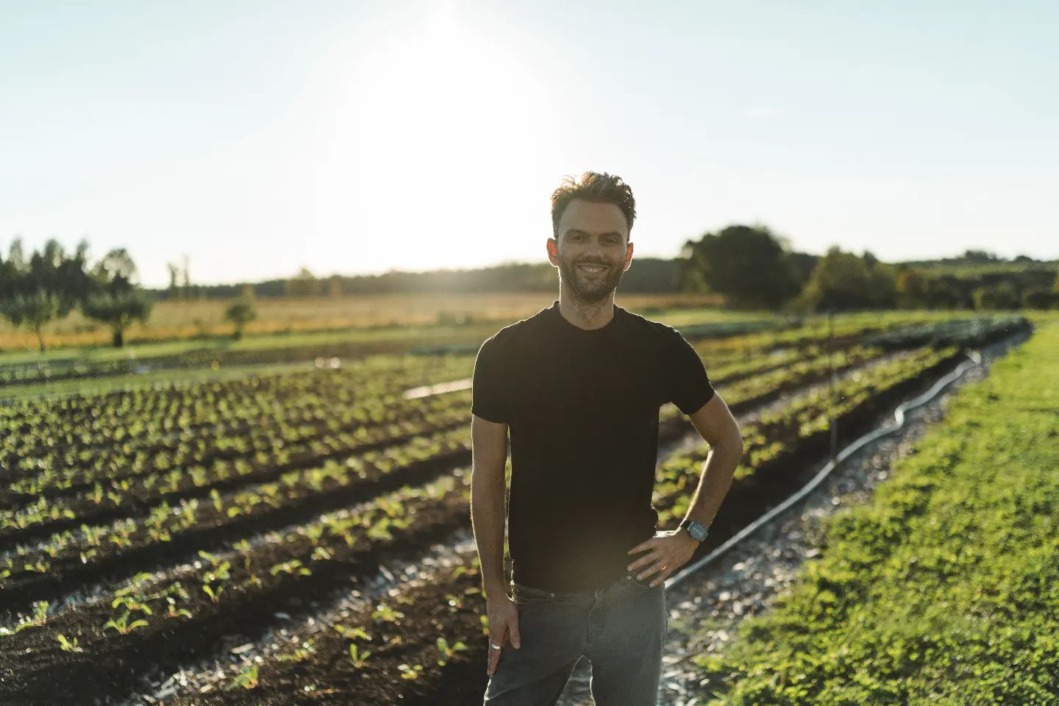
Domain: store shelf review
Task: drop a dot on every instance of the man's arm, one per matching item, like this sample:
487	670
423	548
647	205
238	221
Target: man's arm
715	424
488	490
666	552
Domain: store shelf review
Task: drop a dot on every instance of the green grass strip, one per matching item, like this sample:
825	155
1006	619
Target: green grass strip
945	588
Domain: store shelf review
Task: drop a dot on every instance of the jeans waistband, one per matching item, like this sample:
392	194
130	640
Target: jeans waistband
517	588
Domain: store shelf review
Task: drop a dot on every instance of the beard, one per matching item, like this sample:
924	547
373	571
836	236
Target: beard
590	290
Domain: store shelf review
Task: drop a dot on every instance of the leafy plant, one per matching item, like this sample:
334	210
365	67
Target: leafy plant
359	657
446	651
410	672
246	679
122	624
68	645
386	614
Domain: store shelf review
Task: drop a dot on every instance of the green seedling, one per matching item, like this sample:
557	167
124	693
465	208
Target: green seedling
39	617
446	651
359	657
411	673
246	679
386	614
131	604
122	624
173	612
67	645
302	653
292	567
352	633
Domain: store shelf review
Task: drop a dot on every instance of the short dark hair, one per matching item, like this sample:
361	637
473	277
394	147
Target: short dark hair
597	188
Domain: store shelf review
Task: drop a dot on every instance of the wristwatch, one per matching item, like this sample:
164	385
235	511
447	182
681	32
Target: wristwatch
697	530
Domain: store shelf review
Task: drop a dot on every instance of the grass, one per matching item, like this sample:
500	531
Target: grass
945	588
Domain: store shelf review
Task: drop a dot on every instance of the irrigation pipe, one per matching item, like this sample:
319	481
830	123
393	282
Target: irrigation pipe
899	417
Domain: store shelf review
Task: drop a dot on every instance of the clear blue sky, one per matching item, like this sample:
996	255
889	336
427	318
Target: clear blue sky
258	137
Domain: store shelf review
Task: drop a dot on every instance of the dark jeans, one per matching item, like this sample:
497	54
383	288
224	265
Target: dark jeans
620	629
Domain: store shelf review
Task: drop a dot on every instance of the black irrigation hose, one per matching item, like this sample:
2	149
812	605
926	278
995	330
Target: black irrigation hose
899	416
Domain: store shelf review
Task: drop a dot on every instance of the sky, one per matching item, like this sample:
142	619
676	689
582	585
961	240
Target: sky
258	137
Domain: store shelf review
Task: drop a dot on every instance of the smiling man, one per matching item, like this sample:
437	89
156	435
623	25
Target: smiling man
578	388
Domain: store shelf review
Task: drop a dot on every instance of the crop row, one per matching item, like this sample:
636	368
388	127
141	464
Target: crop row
66	431
116	480
425	641
94	548
773	435
945	587
168	531
233	588
397	342
199	461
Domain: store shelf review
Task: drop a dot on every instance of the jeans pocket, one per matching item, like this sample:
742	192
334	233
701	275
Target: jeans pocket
644	585
527	595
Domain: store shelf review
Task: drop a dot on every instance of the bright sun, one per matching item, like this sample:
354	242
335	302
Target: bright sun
453	108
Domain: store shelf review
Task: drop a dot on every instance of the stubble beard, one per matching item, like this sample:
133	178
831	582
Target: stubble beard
590	292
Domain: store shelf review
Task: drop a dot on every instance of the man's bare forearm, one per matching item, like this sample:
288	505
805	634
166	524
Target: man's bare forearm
487	518
715	480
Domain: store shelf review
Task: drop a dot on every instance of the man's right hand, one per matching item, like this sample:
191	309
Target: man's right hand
502	614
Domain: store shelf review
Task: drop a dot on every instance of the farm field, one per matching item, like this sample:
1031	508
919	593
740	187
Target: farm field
299	535
941	590
174	321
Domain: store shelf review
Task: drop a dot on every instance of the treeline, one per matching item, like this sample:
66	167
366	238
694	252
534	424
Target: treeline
753	268
647	276
747	265
48	284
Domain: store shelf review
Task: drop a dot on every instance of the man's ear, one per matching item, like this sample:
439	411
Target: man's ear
628	257
553	252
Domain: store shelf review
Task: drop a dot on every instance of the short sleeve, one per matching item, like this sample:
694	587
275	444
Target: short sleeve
689	385
489	393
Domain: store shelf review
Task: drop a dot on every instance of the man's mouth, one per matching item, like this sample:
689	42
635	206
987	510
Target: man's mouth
592	269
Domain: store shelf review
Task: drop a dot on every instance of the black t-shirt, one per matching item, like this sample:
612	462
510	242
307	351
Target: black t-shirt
582	411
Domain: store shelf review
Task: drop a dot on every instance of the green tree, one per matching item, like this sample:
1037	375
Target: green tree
1002	295
304	284
33	310
882	283
43	287
911	288
1039	298
240	313
748	265
843	281
115	299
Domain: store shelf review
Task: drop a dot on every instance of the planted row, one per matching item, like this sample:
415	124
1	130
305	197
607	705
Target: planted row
945	587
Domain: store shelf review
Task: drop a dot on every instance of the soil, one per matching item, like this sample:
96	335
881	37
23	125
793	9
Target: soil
110	668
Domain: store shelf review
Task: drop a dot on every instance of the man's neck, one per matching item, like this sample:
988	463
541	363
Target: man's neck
586	315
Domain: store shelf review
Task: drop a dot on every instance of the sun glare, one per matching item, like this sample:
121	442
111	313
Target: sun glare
449	104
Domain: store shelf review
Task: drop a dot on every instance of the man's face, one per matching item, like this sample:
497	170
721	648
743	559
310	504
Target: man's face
593	250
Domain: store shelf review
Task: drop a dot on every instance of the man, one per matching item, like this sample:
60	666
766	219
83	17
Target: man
579	386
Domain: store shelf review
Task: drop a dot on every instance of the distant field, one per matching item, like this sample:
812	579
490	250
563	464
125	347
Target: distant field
205	319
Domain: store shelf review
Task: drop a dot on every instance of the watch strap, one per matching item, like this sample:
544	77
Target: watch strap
693	527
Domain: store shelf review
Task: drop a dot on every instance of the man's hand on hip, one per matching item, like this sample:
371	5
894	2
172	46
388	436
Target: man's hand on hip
502	614
664	554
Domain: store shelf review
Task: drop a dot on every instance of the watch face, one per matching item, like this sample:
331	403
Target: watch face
697	531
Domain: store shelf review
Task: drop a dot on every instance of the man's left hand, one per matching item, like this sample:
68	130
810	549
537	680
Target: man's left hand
665	553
